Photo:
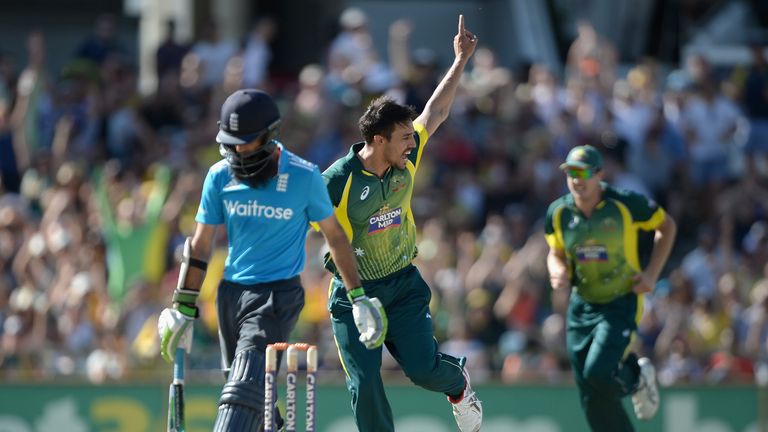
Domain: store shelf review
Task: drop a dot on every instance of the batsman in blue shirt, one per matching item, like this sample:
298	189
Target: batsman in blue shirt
265	196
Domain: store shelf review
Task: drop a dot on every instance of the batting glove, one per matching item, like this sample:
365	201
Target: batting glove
370	318
175	324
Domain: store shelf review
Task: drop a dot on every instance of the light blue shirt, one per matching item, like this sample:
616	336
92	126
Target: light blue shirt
266	227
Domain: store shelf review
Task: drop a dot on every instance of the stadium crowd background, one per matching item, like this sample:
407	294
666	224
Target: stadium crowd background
100	185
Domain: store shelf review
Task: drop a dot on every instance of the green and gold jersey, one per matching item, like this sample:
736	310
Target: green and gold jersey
375	212
602	251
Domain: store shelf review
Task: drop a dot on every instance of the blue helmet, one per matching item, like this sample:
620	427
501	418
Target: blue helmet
248	115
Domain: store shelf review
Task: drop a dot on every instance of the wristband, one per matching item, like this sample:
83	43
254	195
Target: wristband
200	264
355	293
185	296
184	301
187	309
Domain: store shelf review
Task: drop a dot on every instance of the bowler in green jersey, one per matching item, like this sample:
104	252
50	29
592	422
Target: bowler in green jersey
371	189
592	233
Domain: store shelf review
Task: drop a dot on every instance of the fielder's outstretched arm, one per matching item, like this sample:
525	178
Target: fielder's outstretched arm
439	105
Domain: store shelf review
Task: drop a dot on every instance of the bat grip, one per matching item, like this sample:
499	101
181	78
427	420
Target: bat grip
178	366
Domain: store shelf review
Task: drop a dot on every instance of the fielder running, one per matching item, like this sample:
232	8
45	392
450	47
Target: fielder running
593	238
265	196
371	190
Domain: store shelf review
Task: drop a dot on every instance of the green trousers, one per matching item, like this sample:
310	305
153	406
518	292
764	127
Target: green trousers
597	338
410	340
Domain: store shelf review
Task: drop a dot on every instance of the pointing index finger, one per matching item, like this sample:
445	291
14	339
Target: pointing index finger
461	24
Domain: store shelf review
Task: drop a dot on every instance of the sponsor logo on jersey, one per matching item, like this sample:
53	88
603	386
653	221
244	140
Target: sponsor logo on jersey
252	208
592	253
397	183
609	225
385	220
364	195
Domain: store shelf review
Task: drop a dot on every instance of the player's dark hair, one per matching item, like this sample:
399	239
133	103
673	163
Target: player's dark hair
382	115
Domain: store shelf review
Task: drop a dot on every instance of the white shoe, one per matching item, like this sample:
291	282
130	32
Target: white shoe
646	399
468	411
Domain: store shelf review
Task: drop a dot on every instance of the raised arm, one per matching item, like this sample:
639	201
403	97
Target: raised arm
439	105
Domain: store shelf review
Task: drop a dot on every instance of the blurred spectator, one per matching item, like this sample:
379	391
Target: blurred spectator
754	96
214	53
258	54
704	265
417	70
353	62
591	57
102	43
547	93
658	158
30	90
709	121
170	53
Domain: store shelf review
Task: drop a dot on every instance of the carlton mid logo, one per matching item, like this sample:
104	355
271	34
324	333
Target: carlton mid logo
384	220
254	209
592	253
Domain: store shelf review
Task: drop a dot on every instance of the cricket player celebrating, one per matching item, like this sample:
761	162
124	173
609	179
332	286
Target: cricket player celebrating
371	190
265	196
593	238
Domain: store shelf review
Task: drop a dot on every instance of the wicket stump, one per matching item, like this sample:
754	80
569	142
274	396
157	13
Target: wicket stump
270	385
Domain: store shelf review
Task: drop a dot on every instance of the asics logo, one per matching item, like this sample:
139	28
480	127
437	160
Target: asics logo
254	209
364	195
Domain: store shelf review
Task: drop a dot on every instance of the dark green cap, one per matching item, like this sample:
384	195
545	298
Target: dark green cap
584	157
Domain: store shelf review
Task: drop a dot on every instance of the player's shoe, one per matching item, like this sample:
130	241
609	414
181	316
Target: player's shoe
468	410
646	399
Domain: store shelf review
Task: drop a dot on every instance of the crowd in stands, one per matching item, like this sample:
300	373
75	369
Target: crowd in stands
100	185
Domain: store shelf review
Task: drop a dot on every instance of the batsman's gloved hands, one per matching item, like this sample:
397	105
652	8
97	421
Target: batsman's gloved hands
370	318
175	324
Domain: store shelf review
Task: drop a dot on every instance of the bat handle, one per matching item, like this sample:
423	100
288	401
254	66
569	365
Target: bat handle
178	366
176	395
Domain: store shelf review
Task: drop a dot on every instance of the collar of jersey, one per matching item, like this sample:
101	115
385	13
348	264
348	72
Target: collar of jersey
281	161
358	164
572	202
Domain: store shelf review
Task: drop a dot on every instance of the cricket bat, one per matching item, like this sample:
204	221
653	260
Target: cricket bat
176	394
